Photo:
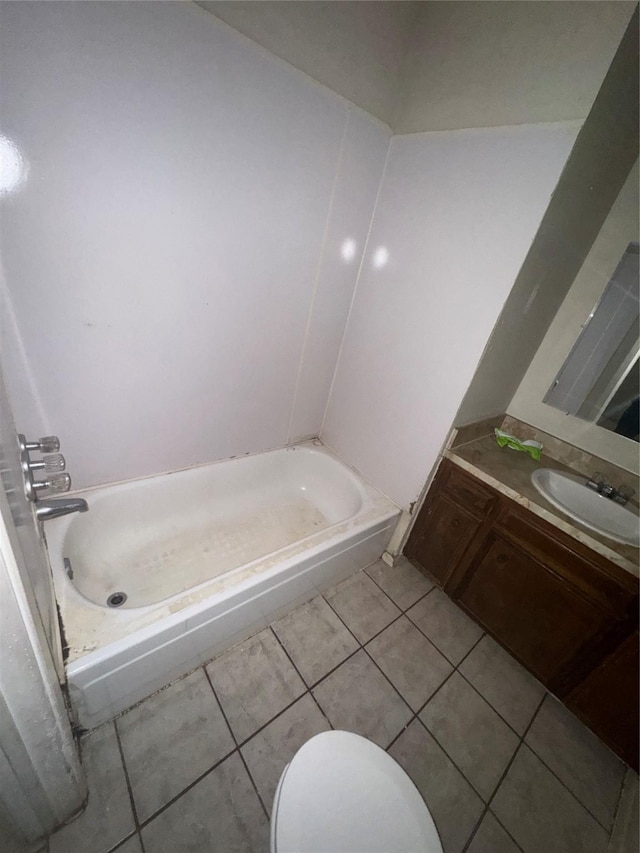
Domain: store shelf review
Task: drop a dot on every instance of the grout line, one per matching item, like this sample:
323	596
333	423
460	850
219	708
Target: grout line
225	718
289	658
501	780
618	802
432	642
455	668
564	785
124	841
415	717
261	728
253	784
319	267
484	698
185	790
385	676
126	776
313	686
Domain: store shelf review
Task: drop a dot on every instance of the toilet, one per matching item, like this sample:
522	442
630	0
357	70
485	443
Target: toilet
343	794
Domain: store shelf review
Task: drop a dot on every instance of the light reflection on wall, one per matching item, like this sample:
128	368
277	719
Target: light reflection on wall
380	257
13	167
348	249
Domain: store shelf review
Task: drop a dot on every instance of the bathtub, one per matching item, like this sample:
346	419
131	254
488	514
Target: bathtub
166	572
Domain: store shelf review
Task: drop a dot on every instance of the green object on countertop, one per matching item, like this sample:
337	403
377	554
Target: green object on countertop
533	448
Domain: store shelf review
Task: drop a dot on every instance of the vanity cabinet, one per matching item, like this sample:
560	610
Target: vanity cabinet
449	521
566	613
607	699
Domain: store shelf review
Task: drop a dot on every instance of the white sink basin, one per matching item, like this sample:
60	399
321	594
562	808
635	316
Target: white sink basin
570	495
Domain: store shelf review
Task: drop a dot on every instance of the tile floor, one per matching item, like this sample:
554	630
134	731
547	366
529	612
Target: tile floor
502	766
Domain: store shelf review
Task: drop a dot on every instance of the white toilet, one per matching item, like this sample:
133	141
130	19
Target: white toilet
343	794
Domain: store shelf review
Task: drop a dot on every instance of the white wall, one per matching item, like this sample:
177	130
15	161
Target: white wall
175	227
600	161
457	213
355	48
491	63
619	229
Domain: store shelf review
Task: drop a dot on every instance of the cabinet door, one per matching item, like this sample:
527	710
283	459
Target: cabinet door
607	700
445	531
532	611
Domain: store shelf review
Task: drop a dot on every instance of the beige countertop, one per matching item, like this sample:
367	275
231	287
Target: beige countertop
509	472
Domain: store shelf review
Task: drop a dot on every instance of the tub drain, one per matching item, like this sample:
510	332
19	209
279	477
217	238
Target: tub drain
116	599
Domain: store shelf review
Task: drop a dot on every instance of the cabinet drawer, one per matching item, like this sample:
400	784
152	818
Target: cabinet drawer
606	585
467	491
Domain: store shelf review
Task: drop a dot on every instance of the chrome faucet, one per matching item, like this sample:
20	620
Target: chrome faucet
598	484
63	506
57	479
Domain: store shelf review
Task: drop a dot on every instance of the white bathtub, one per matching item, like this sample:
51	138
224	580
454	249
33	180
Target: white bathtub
205	557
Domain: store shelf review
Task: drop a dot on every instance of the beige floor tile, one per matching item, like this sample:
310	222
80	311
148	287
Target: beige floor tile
131	846
170	739
403	582
358	698
454	805
579	759
315	639
362	606
221	814
409	661
507	686
108	817
480	743
268	752
491	837
254	681
625	837
445	625
541	814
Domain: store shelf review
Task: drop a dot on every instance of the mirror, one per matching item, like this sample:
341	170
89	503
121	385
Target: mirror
599	381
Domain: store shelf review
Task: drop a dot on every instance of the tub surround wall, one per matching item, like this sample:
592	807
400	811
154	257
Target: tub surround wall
456	215
183	255
176	254
363	155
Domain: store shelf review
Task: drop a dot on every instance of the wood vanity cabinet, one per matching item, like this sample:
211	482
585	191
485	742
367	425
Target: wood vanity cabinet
454	512
566	613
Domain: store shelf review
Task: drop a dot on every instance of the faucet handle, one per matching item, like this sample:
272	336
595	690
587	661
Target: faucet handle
50	464
46	444
596	481
55	483
623	494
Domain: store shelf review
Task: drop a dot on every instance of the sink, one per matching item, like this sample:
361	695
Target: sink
570	495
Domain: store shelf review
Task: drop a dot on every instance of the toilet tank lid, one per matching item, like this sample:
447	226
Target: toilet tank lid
343	793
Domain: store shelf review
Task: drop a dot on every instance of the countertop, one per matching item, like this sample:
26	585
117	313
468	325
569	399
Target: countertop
509	472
